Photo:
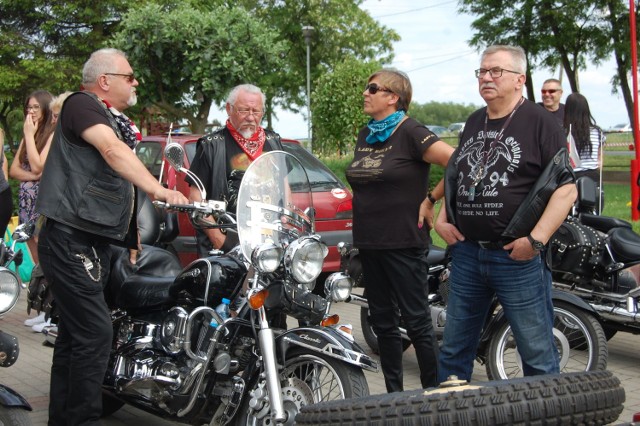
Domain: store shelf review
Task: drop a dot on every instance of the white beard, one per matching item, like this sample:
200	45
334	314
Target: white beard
133	99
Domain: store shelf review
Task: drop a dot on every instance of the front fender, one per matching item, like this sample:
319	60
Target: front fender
326	341
11	398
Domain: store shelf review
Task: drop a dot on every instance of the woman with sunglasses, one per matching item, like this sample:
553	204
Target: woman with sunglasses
392	215
29	160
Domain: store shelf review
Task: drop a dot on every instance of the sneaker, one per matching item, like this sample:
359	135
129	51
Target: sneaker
39	327
35	320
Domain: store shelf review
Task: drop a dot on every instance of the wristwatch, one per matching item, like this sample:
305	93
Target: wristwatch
537	245
431	199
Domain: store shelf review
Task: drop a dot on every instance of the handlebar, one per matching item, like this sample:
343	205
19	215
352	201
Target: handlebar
199	213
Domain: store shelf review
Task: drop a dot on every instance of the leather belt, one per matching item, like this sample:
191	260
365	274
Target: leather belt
65	228
491	245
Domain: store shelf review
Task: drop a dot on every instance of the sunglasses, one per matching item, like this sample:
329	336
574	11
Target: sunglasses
373	88
550	91
128	77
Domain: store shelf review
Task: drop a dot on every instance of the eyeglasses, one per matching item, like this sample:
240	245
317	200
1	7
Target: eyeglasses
246	111
33	108
494	72
128	77
550	91
373	88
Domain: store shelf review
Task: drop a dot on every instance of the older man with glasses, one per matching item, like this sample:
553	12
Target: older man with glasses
223	155
496	233
551	94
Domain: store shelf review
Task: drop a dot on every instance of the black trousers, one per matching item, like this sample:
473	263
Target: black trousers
85	333
397	279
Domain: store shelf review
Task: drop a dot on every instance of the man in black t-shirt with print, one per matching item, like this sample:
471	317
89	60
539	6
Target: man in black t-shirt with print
503	150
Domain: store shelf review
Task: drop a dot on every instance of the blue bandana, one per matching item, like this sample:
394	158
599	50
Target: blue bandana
381	130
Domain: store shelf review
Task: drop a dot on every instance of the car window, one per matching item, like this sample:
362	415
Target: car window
320	177
150	153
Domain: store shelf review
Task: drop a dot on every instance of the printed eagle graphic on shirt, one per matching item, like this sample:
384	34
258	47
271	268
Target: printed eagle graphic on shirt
474	155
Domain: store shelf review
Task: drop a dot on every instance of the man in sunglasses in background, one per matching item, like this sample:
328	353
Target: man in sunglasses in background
551	94
87	197
223	155
499	216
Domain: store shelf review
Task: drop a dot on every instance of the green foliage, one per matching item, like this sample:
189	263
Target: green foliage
441	113
187	59
337	106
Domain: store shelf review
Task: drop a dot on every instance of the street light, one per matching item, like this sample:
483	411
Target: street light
307	31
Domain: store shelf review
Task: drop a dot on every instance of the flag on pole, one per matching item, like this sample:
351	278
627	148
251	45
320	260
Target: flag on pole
574	155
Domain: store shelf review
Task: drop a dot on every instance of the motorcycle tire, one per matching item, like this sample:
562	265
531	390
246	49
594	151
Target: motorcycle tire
580	339
370	336
14	416
309	378
575	398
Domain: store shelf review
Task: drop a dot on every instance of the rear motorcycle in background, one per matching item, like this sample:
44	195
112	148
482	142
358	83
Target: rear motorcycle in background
14	408
579	337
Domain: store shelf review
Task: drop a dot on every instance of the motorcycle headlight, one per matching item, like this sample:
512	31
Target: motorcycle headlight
9	290
338	286
304	258
266	257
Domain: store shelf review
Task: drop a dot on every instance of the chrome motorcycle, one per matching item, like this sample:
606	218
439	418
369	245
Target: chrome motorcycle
579	337
174	355
14	408
597	258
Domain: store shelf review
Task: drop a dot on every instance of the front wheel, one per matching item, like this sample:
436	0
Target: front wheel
579	337
307	378
14	416
575	398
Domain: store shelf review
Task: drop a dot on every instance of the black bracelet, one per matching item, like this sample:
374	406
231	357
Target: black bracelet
431	199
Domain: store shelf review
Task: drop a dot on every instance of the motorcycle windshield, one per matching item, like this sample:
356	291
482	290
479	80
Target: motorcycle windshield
274	202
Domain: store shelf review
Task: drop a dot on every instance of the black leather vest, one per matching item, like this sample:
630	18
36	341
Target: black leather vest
78	187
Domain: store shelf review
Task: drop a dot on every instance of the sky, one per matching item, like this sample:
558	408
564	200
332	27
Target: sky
434	52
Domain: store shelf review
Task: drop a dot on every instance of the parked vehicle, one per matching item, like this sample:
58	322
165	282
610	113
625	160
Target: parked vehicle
456	128
14	408
597	258
175	353
620	128
331	197
580	339
438	130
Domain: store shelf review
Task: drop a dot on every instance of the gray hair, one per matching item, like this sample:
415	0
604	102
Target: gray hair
249	88
518	57
100	62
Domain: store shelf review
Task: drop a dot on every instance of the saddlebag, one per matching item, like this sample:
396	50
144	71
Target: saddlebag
575	249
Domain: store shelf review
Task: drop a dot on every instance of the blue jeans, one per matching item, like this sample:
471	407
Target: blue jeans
523	288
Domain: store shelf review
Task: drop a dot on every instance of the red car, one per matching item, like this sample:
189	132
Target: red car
331	198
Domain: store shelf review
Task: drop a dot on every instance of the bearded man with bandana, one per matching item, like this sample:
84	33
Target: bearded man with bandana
392	204
223	156
87	196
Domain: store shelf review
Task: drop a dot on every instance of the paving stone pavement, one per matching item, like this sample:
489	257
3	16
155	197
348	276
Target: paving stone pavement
30	375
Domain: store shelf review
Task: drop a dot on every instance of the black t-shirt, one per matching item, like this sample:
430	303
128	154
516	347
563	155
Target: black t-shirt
389	181
80	113
512	167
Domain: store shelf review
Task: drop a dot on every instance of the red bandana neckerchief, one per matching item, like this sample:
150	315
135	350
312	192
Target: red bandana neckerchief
252	146
128	129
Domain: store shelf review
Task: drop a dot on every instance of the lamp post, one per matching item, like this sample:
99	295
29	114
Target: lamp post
307	31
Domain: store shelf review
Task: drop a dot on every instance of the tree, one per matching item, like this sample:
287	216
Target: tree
341	30
441	113
188	58
337	106
43	45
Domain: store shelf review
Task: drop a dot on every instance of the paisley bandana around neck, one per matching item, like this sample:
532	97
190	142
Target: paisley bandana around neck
382	129
129	131
252	146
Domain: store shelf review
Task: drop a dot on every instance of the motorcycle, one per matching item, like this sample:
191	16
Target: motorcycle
176	356
579	337
14	408
597	258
